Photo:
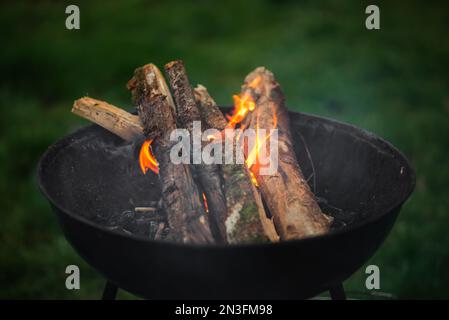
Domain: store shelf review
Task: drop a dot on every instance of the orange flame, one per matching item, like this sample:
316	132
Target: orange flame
206	207
242	105
253	178
253	155
147	159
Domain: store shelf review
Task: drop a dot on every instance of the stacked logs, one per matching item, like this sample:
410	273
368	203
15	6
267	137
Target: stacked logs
240	205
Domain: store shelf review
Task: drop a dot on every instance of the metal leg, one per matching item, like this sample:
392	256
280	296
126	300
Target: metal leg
338	292
110	291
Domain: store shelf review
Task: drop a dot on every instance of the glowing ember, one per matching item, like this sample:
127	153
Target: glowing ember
147	159
206	207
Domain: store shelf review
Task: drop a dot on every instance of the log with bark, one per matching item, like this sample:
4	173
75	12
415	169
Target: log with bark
288	196
185	213
208	176
246	219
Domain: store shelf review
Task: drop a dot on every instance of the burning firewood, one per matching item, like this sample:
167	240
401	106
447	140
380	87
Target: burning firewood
208	176
187	219
288	196
235	204
246	220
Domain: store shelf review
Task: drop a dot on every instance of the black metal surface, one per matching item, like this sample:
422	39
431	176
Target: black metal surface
110	291
91	174
337	292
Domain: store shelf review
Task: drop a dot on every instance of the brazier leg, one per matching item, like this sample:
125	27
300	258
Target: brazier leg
110	291
338	292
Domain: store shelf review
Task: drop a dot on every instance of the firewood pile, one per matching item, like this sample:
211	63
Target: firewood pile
220	201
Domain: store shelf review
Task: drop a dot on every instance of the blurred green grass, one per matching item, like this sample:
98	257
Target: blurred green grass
393	82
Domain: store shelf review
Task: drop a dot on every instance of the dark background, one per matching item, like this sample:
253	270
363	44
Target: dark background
392	81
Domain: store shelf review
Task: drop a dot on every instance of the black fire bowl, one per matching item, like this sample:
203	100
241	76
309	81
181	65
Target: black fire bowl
91	174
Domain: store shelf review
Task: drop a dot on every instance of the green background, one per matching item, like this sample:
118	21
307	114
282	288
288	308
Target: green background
393	82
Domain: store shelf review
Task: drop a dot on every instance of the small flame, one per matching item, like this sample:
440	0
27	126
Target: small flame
147	159
253	155
242	105
206	207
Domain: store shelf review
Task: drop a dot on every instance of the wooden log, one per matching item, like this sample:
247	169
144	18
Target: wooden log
288	196
186	217
246	219
186	108
118	121
208	176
